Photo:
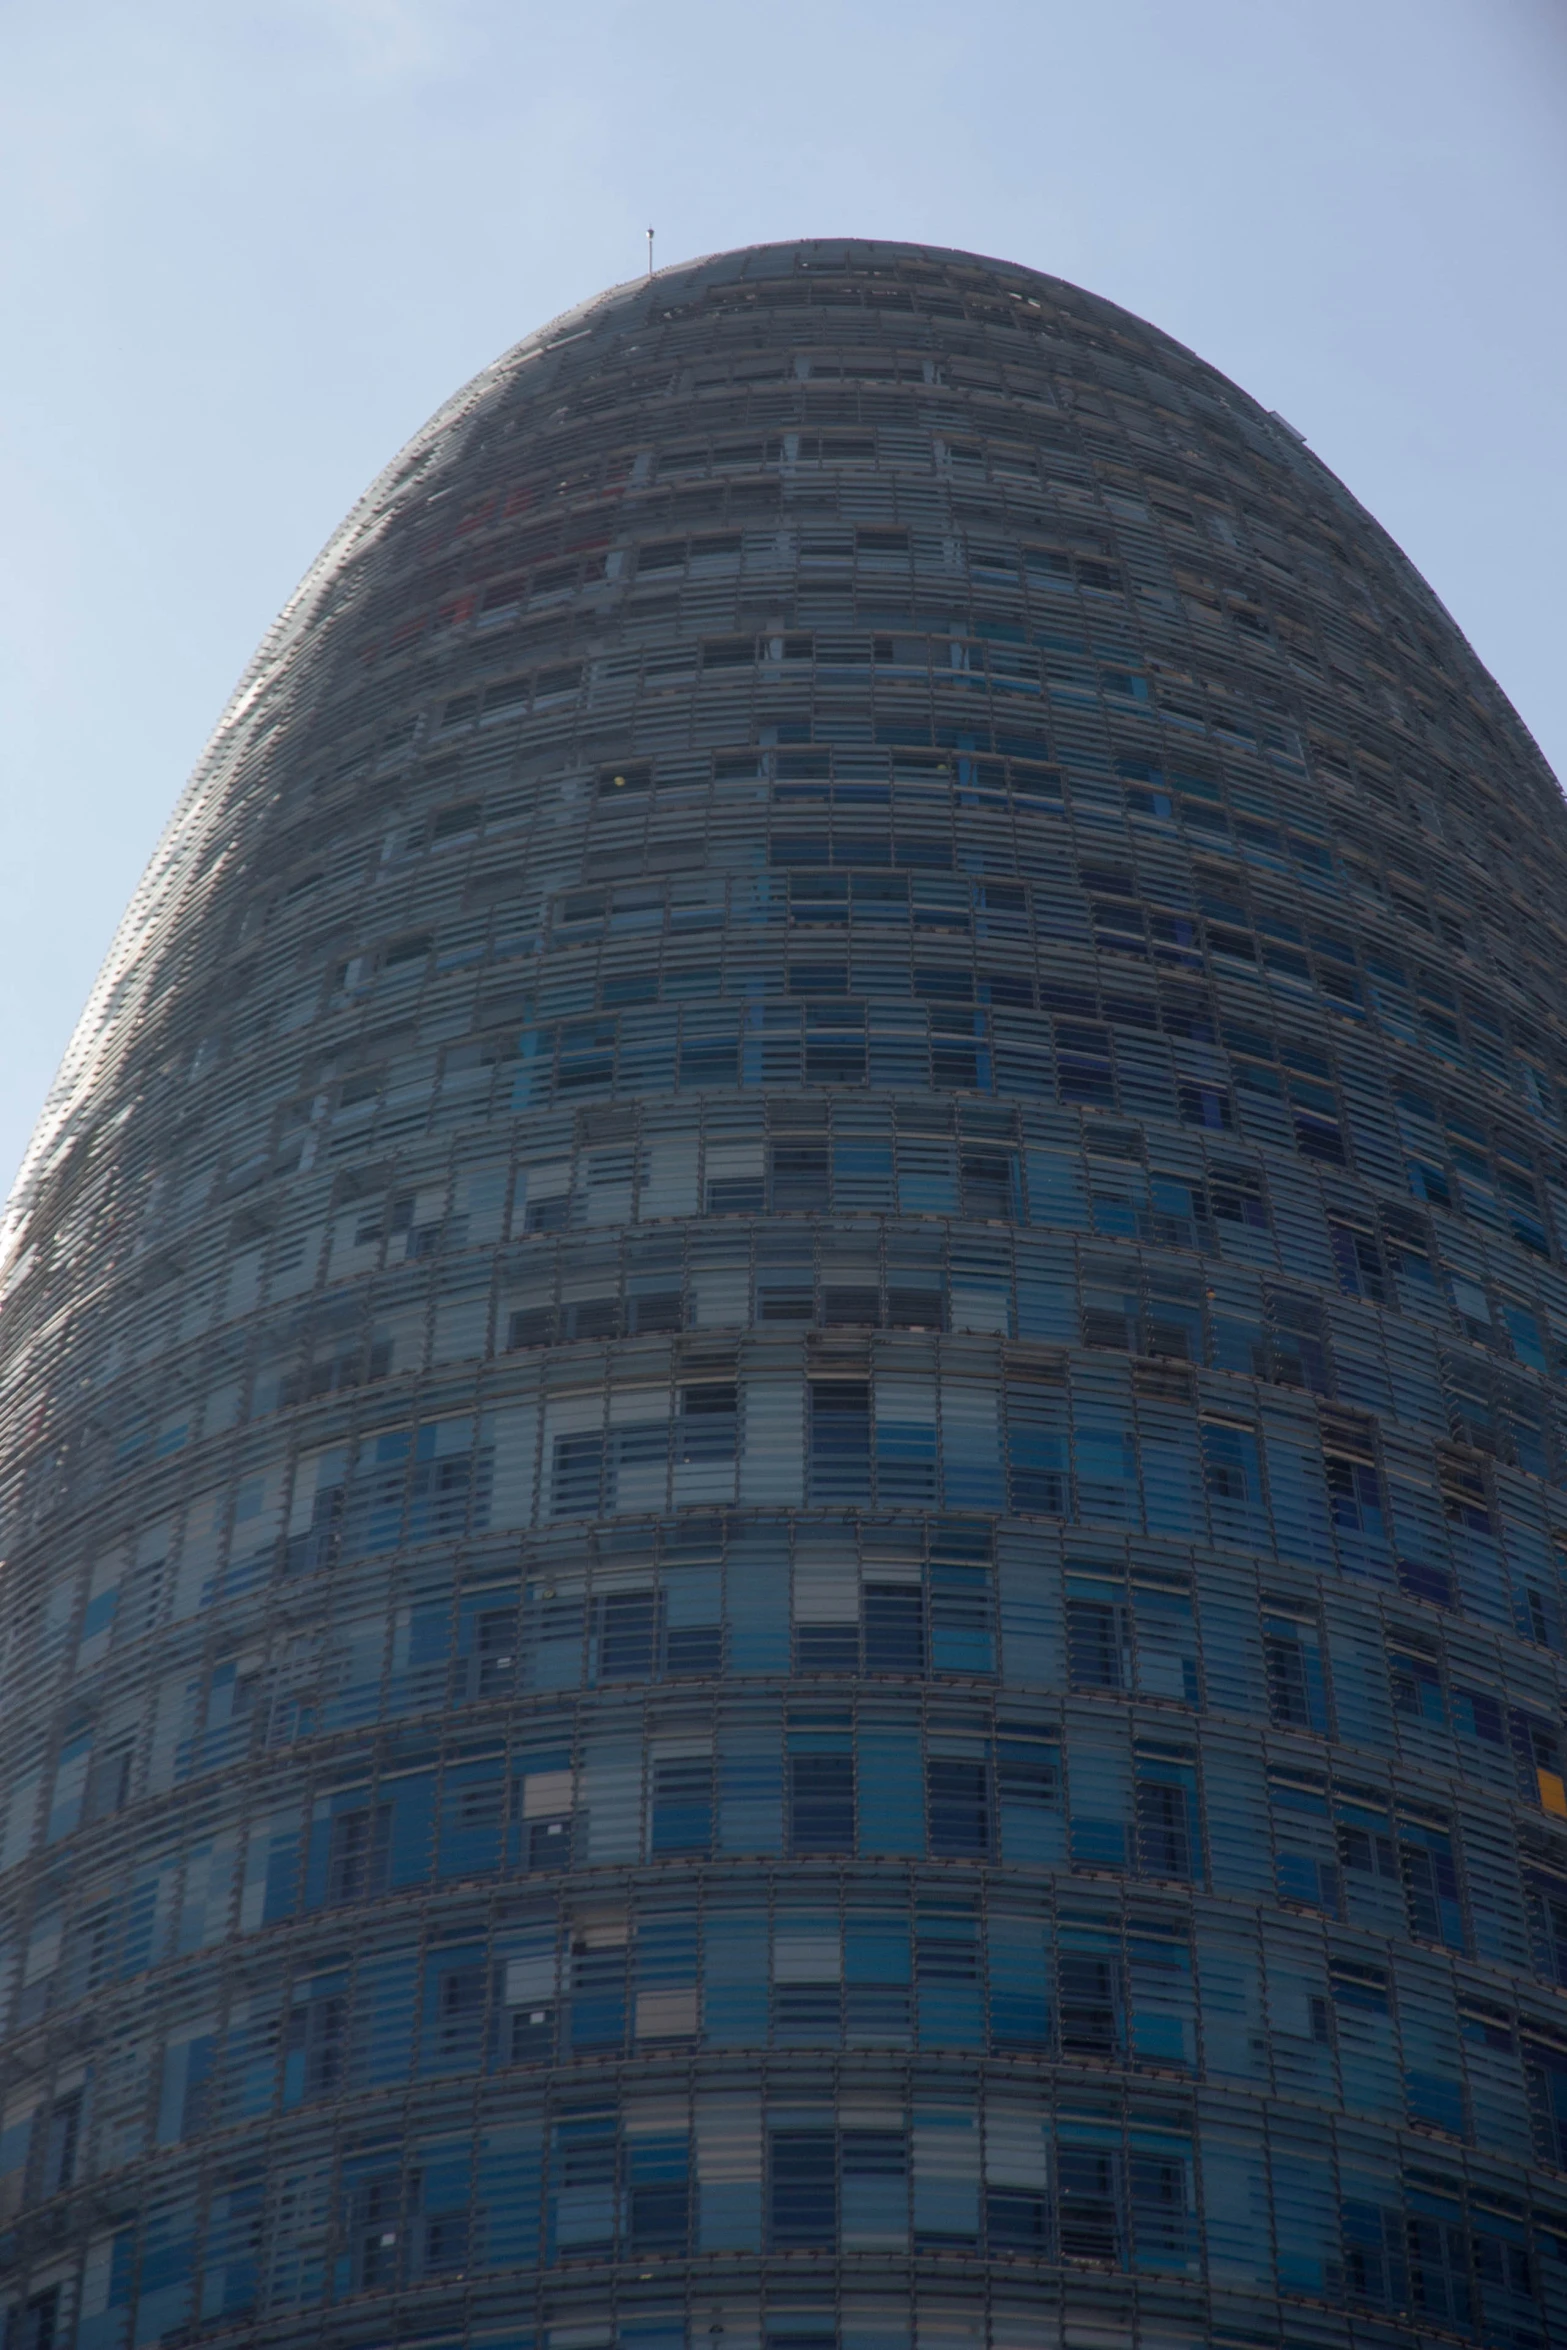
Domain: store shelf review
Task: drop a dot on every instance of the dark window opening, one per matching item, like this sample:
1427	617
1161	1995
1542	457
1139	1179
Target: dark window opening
821	1814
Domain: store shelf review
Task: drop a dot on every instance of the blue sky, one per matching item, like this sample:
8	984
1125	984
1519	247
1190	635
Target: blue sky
246	248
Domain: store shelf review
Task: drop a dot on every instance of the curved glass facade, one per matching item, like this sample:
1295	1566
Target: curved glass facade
781	1380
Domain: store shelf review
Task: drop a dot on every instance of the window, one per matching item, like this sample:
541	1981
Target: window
1083	1072
61	2142
1406	1246
1354	1489
1298	1346
496	1645
1206	1105
1438	2247
821	1803
1545	2070
1232	1475
894	1628
1156	2191
359	1849
1089	1987
1087	2204
958	1799
374	2214
460	2013
35	2324
961	1629
1358	1260
709	1422
804	2190
1537	1755
799	1178
1545	1893
660	2207
1098	1645
683	1805
1305	1867
1028	1774
840	1440
1358	1988
108	1784
1465	1503
1415	1680
598	1987
1429	1869
1037	1444
1365	1843
1297	1685
989	1185
1236	1193
1166	1811
1017	2220
317	2047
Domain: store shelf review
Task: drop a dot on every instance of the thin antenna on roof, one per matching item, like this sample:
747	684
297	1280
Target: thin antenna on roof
650	252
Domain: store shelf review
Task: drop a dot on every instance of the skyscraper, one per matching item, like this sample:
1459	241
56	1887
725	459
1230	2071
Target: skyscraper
781	1373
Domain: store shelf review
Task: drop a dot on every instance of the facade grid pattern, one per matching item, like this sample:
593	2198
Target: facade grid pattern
782	1398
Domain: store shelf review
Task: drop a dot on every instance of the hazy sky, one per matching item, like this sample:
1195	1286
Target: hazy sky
247	245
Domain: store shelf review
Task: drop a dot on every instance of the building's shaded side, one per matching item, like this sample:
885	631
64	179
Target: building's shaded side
781	1386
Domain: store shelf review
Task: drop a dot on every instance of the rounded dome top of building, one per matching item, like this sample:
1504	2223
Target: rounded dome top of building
842	283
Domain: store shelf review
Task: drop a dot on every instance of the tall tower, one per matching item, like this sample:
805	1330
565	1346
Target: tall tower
783	1490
